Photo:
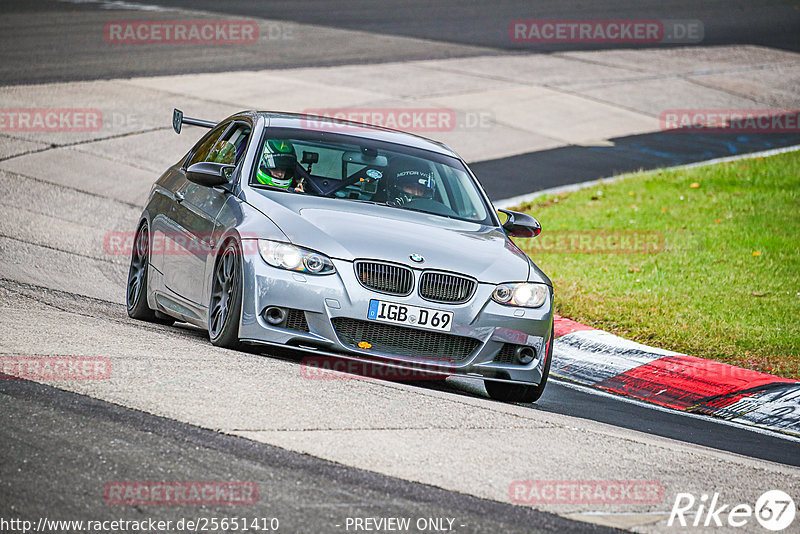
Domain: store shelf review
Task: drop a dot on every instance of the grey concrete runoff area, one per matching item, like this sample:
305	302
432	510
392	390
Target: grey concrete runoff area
320	451
61	433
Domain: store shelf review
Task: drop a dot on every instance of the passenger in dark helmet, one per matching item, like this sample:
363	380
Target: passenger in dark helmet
411	184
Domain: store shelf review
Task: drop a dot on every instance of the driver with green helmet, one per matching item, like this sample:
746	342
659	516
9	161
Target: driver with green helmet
277	165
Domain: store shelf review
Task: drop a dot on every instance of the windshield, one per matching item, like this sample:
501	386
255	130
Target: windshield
363	170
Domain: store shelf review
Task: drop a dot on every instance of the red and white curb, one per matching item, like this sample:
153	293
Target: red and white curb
608	362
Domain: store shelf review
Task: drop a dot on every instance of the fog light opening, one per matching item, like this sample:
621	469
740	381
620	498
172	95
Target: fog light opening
274	315
525	355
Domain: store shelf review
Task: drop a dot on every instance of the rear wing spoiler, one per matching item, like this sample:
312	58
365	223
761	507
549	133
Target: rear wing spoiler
179	120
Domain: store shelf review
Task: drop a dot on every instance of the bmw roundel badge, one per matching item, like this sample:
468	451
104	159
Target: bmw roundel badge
417	258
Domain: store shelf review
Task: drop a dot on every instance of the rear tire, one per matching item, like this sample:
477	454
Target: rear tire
505	392
136	295
225	307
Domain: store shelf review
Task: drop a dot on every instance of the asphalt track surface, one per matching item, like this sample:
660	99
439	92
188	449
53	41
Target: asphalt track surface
51	41
509	177
46	40
58	445
60	448
773	24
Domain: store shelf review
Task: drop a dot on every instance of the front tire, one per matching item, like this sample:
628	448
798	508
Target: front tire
136	294
225	307
505	392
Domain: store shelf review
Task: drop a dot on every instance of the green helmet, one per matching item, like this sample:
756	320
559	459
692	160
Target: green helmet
278	155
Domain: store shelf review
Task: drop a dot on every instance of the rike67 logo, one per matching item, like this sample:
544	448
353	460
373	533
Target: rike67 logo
775	510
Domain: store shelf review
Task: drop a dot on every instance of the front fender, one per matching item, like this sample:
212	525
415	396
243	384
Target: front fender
243	223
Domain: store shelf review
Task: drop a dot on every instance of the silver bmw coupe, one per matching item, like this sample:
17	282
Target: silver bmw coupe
346	241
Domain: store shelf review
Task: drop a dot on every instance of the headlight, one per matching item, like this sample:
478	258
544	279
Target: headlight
525	294
292	258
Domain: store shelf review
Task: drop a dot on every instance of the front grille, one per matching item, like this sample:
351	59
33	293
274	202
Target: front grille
385	277
447	288
409	342
507	354
295	320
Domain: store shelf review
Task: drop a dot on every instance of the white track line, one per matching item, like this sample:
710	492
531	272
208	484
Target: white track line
520	199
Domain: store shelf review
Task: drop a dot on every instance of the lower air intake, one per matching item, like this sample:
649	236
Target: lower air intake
408	342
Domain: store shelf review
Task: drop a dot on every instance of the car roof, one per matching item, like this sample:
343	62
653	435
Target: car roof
301	121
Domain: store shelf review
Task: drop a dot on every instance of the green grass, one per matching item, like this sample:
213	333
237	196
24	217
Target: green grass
726	285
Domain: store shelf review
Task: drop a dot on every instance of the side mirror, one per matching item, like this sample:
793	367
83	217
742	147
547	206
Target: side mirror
210	174
521	224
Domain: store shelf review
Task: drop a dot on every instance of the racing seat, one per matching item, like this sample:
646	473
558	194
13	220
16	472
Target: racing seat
223	152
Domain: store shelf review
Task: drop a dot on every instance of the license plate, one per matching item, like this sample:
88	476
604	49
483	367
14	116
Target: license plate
390	312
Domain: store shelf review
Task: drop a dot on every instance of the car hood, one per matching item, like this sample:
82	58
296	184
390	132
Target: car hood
352	230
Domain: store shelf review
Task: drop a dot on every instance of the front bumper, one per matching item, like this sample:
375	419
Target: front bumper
332	305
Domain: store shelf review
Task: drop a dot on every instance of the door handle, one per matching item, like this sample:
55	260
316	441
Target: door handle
179	197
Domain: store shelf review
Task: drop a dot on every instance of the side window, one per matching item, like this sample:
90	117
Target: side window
230	148
224	144
201	150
